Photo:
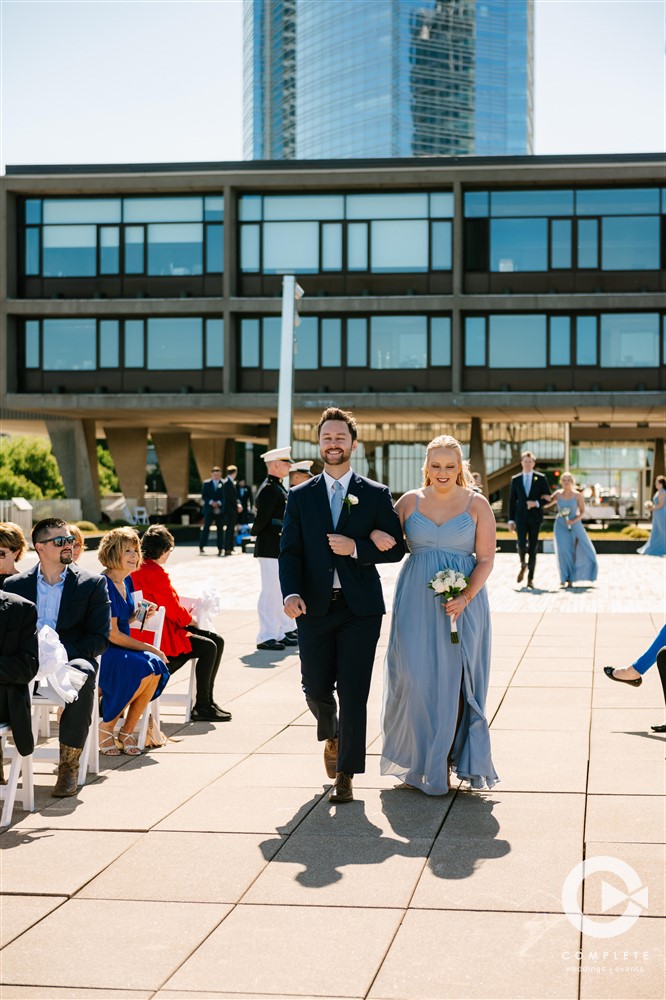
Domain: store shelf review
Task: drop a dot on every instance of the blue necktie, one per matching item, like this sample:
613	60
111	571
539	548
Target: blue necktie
336	502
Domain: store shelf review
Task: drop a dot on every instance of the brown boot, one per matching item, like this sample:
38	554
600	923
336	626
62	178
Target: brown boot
342	789
68	772
331	757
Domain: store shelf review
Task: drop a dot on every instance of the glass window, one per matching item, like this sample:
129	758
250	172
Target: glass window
331	343
33	212
109	250
249	343
588	243
271	336
163	209
249	207
630	243
249	248
175	344
398	341
306	355
175	249
387	206
441	246
304	206
618	201
560	243
32	343
560	340
134	245
331	246
441	205
517	341
399	246
72	210
476	204
134	349
69	345
290	247
475	341
32	251
518	245
586	340
109	343
69	251
357	343
530	203
440	341
214	208
357	246
214	249
630	340
214	343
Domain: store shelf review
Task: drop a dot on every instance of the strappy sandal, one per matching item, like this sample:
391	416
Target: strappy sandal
133	749
108	745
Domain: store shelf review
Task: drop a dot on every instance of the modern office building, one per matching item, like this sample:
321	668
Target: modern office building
515	303
326	79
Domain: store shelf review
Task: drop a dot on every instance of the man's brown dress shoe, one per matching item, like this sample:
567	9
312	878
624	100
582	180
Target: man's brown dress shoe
68	772
331	757
342	789
521	574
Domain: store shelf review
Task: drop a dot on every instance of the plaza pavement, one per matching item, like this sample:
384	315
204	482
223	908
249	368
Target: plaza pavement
217	868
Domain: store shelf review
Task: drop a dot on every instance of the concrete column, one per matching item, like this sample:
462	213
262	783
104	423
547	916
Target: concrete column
207	453
173	454
128	447
476	457
74	446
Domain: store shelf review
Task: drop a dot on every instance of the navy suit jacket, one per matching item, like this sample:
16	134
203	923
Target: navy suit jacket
539	489
307	562
212	490
84	617
18	666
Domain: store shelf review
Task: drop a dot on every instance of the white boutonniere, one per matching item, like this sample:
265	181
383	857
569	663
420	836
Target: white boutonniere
351	501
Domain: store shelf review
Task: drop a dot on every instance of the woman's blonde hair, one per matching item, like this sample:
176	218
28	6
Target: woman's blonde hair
78	536
112	545
568	475
464	477
12	538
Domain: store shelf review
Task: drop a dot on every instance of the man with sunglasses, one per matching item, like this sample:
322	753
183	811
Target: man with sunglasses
76	604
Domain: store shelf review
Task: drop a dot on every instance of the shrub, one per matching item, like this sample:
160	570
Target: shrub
86	525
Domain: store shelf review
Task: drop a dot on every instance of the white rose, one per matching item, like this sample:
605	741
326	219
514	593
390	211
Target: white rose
352	500
438	586
461	583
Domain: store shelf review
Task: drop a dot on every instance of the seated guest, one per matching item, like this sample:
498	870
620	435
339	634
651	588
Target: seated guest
79	545
76	604
12	546
182	639
132	672
18	666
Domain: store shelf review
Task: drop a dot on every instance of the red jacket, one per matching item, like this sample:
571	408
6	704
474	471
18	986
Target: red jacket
156	586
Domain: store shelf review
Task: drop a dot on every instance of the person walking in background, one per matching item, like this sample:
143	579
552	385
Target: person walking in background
213	497
232	508
576	557
13	547
246	501
276	630
332	589
656	543
633	675
529	493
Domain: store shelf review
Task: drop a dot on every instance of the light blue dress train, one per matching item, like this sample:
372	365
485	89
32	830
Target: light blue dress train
576	557
656	543
425	673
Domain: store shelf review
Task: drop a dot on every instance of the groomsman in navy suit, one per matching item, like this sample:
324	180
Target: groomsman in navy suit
332	588
529	493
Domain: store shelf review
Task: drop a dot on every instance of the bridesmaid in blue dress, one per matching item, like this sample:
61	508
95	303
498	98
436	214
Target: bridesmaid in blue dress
433	716
576	557
656	543
131	673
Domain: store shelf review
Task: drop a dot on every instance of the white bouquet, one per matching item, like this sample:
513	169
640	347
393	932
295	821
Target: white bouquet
566	513
449	583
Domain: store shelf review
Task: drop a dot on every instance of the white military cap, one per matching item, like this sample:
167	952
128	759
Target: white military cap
304	466
277	455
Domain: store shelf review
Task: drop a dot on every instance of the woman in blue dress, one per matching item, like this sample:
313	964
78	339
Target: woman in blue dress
132	673
656	543
433	716
576	557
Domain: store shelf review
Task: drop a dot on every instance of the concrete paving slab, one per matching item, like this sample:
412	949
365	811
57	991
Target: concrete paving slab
626	819
278	770
440	955
631	965
626	776
647	860
565	709
229	955
21	912
529	677
533	761
56	993
610	694
236	737
395	812
208	995
239	809
137	945
562	664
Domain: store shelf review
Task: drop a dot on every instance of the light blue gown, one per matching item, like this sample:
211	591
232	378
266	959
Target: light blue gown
425	673
576	557
656	543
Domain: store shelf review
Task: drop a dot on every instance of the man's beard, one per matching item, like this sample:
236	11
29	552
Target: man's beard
66	558
340	459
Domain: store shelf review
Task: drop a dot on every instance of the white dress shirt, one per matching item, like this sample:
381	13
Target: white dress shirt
330	484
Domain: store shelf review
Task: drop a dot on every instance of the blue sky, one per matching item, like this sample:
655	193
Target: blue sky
112	81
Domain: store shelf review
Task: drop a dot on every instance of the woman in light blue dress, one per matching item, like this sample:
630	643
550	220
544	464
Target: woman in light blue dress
433	716
656	543
576	557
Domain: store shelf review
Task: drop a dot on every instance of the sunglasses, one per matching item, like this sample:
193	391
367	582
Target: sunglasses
59	540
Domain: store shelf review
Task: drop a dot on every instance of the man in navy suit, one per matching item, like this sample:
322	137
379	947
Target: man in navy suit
332	588
213	495
529	493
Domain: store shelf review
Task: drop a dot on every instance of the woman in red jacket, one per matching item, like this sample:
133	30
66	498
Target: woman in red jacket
182	639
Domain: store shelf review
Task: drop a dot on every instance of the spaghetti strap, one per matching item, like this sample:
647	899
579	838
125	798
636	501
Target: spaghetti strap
416	497
473	494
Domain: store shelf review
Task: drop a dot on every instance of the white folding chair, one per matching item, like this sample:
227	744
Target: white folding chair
41	726
21	767
151	633
141	516
186	700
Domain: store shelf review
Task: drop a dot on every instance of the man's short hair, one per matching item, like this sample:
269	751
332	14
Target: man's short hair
335	413
155	541
528	454
232	468
216	468
47	524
